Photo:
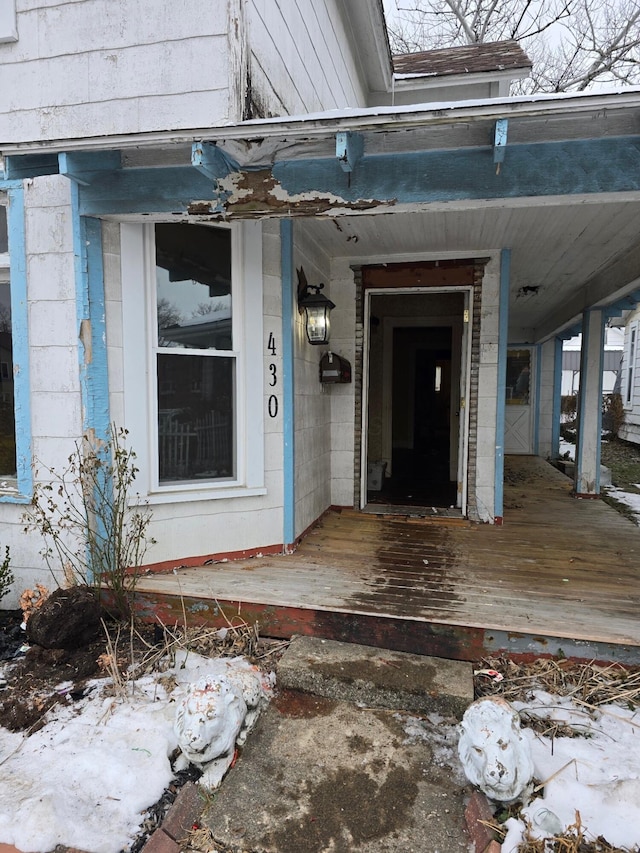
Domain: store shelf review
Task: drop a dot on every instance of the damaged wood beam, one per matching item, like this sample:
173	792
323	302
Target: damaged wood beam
256	193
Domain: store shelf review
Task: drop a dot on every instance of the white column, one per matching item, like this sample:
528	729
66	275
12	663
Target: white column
544	402
587	472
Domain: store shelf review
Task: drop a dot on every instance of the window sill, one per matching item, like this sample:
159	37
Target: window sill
200	494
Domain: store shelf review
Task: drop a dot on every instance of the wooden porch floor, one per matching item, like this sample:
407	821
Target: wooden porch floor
561	576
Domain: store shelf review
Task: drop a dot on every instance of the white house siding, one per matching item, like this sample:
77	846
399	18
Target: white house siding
96	67
300	58
630	429
313	402
56	419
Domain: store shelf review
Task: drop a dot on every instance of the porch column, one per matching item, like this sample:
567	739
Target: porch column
503	336
545	399
557	398
587	471
288	467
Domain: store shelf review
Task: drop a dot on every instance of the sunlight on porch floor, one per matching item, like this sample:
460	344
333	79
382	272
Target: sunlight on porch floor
560	574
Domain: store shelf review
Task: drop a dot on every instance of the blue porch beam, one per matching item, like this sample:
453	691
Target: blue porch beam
349	149
627	303
20	166
83	166
545	169
212	161
500	140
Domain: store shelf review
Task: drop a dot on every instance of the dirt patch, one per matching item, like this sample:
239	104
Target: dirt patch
291	703
341	817
623	460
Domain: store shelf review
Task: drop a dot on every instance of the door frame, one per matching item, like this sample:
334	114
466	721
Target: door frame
461	329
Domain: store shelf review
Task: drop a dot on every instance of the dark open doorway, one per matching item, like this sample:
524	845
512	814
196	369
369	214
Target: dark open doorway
421	405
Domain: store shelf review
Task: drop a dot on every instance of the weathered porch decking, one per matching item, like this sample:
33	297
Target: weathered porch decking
561	574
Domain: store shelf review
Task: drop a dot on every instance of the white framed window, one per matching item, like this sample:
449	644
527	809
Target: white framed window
631	359
192	342
8	22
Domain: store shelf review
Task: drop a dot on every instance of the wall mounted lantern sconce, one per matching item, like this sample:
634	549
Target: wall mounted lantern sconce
316	308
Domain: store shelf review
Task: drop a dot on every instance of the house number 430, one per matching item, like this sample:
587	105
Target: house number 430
272	405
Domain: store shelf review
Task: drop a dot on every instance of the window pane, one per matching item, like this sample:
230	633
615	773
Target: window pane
195	417
193	276
4	242
7	418
518	376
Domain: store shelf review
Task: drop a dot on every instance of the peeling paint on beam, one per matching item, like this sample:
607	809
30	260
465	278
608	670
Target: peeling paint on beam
258	193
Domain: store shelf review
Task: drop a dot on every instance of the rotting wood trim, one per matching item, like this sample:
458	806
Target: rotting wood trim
257	193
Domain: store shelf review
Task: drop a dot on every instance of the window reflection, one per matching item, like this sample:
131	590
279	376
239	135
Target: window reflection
518	376
195	392
193	278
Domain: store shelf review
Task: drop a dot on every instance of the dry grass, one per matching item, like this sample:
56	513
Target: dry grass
589	683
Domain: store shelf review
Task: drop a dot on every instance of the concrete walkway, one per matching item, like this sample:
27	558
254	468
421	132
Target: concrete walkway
357	754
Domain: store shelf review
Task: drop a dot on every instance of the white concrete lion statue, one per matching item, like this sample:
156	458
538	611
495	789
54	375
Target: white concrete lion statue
495	755
215	709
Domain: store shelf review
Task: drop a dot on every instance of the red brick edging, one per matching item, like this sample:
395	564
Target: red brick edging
178	821
477	811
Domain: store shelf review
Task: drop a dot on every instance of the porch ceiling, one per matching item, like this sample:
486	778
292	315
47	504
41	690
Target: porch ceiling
577	253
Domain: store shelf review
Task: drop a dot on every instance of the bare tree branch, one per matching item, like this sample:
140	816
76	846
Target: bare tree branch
574	44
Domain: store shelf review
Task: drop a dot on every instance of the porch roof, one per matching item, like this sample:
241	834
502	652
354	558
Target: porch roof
556	179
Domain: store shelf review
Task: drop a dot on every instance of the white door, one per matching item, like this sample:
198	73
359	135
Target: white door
518	420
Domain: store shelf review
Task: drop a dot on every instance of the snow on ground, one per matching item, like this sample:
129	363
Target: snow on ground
87	776
629	498
597	775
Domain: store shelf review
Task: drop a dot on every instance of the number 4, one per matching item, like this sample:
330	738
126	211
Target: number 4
271	346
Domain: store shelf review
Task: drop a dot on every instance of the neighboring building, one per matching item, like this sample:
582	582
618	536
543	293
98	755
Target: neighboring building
630	378
613	346
169	169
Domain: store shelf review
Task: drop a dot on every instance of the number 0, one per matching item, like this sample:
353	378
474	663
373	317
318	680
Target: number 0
273	406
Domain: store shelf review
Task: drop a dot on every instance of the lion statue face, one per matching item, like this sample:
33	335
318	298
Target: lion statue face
495	755
209	719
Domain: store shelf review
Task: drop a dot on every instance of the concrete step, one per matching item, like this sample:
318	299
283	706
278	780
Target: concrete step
376	678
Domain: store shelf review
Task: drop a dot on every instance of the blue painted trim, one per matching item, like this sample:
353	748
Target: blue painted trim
552	168
20	342
212	161
19	166
557	399
503	333
288	388
92	338
536	412
542	169
349	149
82	166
